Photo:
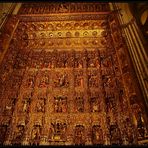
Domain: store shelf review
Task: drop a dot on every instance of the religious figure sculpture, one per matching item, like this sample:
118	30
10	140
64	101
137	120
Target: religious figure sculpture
58	130
44	81
140	126
79	80
128	131
97	135
79	104
62	80
62	8
18	137
115	135
60	104
9	108
110	101
79	135
36	135
30	82
92	81
78	60
40	106
94	104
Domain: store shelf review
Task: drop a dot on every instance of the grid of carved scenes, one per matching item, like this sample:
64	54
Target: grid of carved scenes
40	83
62	34
27	72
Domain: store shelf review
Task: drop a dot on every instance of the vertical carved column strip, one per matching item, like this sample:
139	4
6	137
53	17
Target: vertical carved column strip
8	42
123	77
6	47
70	104
85	76
104	112
137	67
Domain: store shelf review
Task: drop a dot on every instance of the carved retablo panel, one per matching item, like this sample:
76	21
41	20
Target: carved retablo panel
67	80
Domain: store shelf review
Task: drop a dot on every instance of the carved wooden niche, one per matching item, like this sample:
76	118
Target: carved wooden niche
115	135
48	60
19	134
79	61
78	78
142	131
92	59
106	63
41	59
60	104
30	79
123	59
34	59
43	79
110	100
93	79
25	104
4	127
128	131
41	102
79	135
61	80
58	131
64	59
97	135
10	102
95	103
21	60
79	102
140	123
109	82
10	106
36	134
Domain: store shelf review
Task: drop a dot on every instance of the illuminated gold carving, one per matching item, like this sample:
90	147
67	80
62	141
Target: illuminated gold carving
66	79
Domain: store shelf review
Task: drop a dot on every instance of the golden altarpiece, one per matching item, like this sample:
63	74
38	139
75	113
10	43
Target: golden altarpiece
67	79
